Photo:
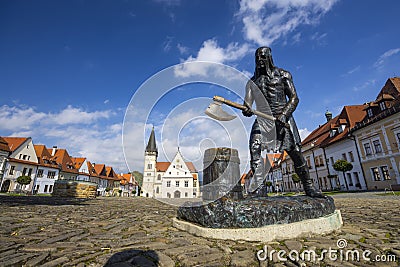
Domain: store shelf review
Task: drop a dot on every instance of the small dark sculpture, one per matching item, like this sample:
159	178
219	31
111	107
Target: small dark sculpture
275	86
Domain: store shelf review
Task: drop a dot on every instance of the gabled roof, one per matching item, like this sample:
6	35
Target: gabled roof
78	162
91	169
62	157
349	116
15	142
4	145
44	157
100	169
163	166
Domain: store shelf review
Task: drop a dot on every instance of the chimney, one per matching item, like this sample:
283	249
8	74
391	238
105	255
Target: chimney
328	115
53	152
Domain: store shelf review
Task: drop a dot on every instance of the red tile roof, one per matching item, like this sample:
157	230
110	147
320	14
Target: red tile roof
44	157
15	142
62	157
163	166
349	116
4	145
78	162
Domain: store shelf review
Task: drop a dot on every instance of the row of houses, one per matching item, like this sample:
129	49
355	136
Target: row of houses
366	135
20	157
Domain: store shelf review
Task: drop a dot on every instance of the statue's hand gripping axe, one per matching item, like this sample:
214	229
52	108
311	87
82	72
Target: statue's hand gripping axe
215	110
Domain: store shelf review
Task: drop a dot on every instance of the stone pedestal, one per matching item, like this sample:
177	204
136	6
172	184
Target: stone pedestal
257	212
76	189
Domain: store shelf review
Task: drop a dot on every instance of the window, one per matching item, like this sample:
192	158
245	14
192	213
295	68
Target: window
344	156
157	190
308	162
177	183
149	166
370	113
351	156
50	188
177	173
194	184
186	183
24	171
349	180
12	170
398	137
376	174
159	177
29	171
382	105
367	148
385	173
20	156
40	173
45	188
332	161
321	160
186	194
168	183
51	174
377	146
149	174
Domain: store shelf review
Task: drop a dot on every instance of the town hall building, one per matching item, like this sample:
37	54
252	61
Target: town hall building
175	179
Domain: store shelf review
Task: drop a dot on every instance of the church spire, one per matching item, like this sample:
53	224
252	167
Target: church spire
151	145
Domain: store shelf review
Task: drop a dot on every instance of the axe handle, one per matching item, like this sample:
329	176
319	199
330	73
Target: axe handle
242	107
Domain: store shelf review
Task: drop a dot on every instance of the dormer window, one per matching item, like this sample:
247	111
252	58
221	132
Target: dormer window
382	105
370	113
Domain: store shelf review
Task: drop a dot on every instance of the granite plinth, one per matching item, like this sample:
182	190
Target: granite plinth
256	212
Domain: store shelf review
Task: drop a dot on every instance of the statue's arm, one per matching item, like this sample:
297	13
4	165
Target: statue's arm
291	94
248	99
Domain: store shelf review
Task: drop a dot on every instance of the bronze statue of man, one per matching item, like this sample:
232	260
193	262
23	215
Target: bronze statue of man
275	87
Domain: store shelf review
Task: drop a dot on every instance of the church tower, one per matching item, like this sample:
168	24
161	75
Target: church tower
150	161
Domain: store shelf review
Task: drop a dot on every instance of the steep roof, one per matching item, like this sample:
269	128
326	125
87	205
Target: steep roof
78	162
62	157
163	166
15	142
349	116
100	169
44	157
91	169
151	144
4	145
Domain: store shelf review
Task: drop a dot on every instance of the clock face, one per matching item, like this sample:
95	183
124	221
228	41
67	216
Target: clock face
177	160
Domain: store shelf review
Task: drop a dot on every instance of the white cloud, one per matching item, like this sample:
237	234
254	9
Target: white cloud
182	49
365	85
210	51
266	21
82	133
381	60
304	133
19	118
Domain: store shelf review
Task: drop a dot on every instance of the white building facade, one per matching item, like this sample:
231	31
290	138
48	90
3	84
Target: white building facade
176	179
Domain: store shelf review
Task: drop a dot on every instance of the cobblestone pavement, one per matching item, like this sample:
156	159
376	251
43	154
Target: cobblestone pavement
44	231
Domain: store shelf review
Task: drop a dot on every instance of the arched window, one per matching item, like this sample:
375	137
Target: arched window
159	177
157	190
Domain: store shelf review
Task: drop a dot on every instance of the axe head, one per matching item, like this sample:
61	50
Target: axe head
215	111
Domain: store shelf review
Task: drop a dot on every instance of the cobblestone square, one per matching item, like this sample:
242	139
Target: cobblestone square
118	231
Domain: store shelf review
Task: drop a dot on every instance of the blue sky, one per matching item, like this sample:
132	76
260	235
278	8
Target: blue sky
68	69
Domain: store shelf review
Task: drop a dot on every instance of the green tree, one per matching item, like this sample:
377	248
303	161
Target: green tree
343	166
24	180
138	177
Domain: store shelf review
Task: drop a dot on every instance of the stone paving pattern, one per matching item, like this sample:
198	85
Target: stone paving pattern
116	231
